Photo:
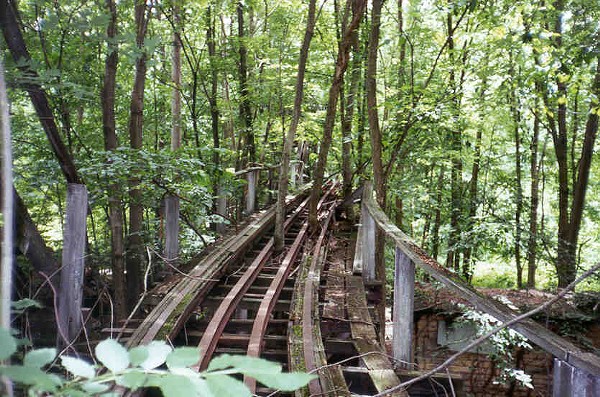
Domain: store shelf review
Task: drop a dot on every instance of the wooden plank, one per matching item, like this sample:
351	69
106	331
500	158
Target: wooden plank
357	264
252	178
71	275
570	381
365	339
171	228
367	245
536	333
403	313
335	293
221	209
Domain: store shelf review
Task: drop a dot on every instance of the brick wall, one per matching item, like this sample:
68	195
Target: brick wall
477	371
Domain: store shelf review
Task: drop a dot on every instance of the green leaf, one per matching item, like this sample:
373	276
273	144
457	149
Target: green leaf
176	386
31	376
78	367
8	345
95	387
112	355
132	380
284	381
183	357
157	354
244	363
40	357
138	355
201	387
225	386
71	392
26	303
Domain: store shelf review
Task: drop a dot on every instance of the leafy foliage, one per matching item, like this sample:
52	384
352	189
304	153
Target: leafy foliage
140	367
503	344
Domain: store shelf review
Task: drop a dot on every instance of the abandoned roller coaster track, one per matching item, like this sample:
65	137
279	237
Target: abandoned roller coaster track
292	307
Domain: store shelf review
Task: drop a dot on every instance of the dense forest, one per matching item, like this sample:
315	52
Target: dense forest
476	121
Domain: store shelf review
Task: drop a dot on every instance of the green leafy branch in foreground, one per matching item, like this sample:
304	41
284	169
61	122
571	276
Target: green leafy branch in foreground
139	367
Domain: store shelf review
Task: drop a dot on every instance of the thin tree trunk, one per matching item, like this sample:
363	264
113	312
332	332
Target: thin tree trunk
437	223
518	197
348	114
453	254
467	269
248	149
334	92
583	171
136	119
111	143
291	134
533	206
372	109
214	114
172	201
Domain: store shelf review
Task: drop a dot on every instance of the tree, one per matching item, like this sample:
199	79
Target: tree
334	91
571	198
111	143
289	138
135	243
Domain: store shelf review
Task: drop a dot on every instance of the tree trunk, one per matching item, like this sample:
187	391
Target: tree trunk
372	109
533	205
583	173
18	50
569	220
172	200
467	269
111	143
214	116
291	134
453	254
248	149
135	242
350	104
518	197
334	92
437	222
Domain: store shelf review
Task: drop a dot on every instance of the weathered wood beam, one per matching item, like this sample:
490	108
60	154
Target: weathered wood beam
403	313
71	275
536	333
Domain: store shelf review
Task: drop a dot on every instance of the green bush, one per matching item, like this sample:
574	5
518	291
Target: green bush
139	367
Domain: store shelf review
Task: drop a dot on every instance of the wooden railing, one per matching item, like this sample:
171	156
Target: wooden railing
571	362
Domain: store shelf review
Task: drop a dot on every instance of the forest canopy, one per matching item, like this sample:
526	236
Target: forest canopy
477	121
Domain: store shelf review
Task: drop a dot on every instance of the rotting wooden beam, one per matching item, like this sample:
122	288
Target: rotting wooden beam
549	341
365	339
403	312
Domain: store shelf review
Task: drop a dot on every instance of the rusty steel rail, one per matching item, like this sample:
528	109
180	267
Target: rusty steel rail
219	320
167	318
256	344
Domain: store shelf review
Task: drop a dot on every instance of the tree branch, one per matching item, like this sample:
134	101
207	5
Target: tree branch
495	330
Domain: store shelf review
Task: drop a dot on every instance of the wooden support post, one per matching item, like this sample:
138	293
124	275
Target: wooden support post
71	274
368	245
404	299
293	174
252	177
171	228
570	381
221	209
